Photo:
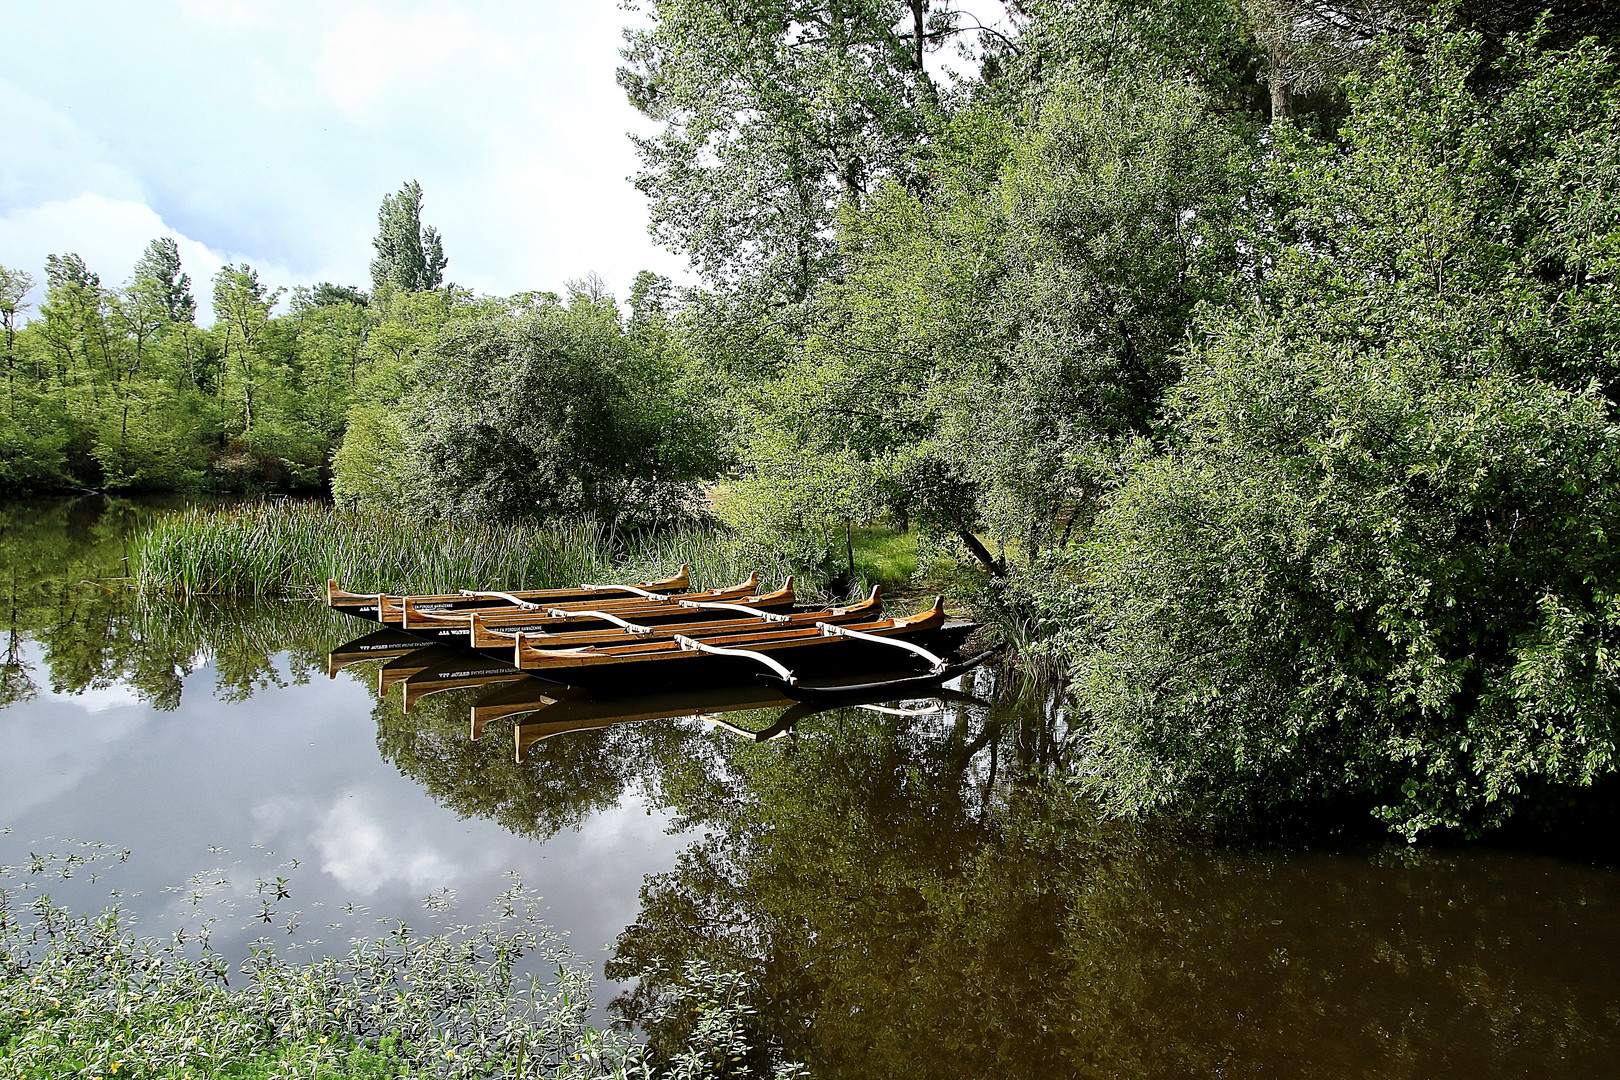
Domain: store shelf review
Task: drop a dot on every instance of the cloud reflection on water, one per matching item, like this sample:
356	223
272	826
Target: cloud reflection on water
296	771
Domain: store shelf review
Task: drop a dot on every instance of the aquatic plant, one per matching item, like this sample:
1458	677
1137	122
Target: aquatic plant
83	995
285	547
291	548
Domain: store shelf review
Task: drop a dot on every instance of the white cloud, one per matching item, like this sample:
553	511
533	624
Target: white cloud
52	744
364	852
270	131
100	699
231	14
48	151
368	57
110	234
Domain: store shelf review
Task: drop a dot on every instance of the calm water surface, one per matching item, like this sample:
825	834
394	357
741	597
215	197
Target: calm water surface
907	895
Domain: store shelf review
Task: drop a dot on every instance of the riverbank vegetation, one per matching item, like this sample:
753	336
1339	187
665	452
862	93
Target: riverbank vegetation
291	548
82	994
1253	366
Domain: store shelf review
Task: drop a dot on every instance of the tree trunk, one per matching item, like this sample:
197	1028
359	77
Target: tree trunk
849	550
1279	100
981	552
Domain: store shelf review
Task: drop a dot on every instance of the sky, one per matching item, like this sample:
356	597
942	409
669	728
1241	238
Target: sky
269	132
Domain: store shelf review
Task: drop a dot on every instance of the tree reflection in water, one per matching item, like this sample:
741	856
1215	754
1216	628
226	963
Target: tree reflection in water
61	569
902	909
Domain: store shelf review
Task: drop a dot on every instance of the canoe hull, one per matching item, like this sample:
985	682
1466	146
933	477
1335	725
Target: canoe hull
817	657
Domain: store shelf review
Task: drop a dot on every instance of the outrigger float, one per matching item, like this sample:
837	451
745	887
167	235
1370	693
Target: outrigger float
614	640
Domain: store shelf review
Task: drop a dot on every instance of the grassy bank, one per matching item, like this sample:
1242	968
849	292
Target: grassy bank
293	548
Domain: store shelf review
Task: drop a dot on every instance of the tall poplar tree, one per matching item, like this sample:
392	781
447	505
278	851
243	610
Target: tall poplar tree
158	275
410	256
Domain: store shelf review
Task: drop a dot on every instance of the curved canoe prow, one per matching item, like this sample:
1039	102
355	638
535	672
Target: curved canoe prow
872	605
930	619
784	595
339	598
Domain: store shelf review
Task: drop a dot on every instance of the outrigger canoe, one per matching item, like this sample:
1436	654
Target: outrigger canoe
742	619
382	607
790	652
482	630
566	628
410	614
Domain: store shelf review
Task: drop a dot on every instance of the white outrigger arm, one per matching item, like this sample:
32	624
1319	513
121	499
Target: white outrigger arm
694	645
640	628
834	630
515	601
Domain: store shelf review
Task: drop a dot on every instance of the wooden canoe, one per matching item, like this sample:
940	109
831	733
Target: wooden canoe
481	630
532	652
378	606
683	617
687	660
410	615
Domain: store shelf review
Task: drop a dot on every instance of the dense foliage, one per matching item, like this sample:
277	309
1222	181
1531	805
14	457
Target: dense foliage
1372	558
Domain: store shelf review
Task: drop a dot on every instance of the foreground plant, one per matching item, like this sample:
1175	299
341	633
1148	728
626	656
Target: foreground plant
84	996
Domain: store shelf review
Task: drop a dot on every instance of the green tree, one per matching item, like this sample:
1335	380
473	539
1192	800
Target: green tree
242	306
568	416
993	342
326	294
1204	43
410	255
773	113
158	272
1374	562
14	286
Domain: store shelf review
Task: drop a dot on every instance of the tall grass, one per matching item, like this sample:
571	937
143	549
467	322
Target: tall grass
282	549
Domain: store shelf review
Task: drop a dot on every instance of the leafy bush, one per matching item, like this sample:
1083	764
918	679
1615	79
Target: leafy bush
1376	560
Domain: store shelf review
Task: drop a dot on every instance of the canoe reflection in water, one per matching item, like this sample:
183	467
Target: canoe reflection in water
552	708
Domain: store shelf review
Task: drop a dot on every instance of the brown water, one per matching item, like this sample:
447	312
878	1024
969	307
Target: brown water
909	895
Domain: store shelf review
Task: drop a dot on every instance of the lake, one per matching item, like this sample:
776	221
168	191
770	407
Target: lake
910	892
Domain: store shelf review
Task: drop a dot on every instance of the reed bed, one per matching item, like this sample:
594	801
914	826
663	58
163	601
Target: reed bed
292	549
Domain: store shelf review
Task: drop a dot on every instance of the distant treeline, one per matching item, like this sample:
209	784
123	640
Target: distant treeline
1255	358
